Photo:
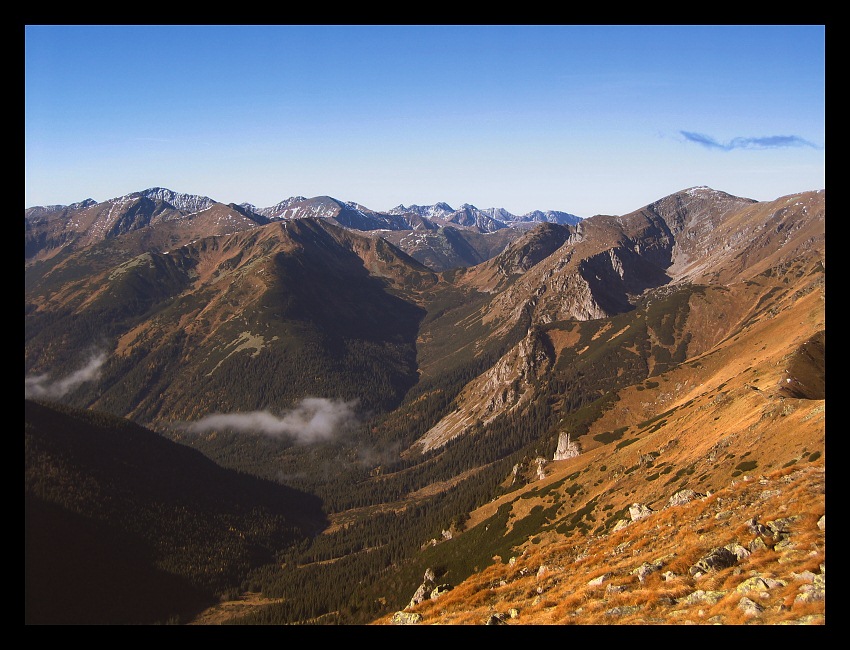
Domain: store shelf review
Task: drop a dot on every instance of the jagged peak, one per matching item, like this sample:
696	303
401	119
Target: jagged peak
437	209
181	201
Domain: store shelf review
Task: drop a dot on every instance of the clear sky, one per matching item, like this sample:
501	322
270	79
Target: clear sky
583	119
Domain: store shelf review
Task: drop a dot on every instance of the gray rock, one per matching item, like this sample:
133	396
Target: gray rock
622	610
598	580
758	529
406	618
622	523
750	607
810	593
645	569
719	558
683	496
701	597
739	551
639	511
756	583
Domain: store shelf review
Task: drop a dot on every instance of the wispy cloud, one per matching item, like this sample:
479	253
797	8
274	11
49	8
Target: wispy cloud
314	419
43	386
766	142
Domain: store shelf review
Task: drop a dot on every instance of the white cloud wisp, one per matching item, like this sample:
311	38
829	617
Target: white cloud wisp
41	385
314	419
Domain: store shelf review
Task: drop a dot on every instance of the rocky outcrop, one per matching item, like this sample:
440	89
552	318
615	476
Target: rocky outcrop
428	590
566	449
406	618
639	511
507	385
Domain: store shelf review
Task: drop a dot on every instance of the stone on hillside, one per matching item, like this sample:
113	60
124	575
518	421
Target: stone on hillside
645	569
804	576
419	595
424	589
406	618
757	528
622	610
639	511
700	597
812	592
718	558
683	496
566	449
749	607
739	551
598	580
756	583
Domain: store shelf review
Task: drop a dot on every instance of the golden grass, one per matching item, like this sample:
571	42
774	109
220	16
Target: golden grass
676	538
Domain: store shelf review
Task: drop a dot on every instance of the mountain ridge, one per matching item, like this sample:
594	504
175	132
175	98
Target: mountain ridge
680	342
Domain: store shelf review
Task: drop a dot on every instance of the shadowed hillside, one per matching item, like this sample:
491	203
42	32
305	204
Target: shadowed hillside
124	526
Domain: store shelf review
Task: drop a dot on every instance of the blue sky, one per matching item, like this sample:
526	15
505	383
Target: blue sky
584	119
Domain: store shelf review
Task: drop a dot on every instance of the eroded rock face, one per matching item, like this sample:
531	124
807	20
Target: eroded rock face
566	448
505	386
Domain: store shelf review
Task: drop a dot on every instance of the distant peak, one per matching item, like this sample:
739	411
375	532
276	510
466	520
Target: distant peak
185	202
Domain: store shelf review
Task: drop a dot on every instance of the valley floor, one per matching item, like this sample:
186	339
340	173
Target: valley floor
230	610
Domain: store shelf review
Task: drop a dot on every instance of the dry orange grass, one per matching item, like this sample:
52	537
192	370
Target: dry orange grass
673	539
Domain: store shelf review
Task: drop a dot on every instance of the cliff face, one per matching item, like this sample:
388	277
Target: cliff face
509	384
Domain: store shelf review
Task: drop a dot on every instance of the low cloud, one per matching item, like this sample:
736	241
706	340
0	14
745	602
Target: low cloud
766	142
42	386
314	419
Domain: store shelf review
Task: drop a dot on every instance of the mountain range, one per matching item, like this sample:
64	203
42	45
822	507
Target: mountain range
455	234
437	390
